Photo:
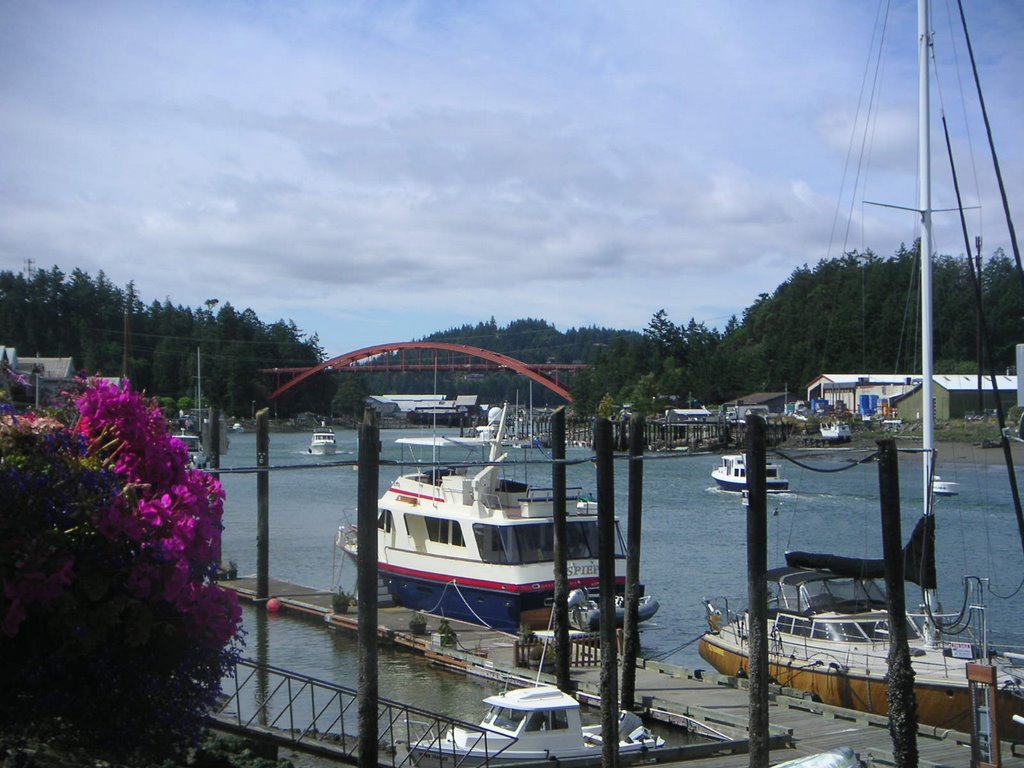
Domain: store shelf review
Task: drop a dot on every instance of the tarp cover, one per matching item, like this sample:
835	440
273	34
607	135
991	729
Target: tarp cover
918	559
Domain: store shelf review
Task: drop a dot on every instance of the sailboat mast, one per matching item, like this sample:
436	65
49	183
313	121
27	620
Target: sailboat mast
925	207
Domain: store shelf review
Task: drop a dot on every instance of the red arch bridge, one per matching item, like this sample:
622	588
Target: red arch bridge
408	356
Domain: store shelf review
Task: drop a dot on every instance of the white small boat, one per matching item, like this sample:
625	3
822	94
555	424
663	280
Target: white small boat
540	723
836	432
196	457
731	475
942	487
323	443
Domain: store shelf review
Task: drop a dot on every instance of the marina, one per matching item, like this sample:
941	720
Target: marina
308	502
683	700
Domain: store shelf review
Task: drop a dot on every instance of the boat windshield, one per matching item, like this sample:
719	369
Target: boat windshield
535	543
840	595
504	718
191	442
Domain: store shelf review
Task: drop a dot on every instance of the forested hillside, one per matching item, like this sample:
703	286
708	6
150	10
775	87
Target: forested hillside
108	330
857	313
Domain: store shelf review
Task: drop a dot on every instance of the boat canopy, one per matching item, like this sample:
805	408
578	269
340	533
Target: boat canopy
812	592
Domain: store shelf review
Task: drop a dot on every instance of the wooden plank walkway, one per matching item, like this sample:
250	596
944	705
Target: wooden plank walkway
669	693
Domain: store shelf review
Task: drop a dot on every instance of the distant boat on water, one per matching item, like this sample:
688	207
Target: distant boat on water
323	443
731	475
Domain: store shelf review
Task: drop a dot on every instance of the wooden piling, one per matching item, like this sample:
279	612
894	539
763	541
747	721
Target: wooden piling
560	609
366	516
630	628
263	504
604	449
213	450
757	587
900	690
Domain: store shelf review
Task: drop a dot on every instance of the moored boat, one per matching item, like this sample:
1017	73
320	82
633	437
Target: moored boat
942	487
323	443
585	610
540	723
836	432
731	475
829	635
465	542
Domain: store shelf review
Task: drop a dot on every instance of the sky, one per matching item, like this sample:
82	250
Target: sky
378	171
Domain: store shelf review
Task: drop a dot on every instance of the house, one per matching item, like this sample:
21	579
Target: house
427	409
688	416
39	379
764	403
956	396
889	394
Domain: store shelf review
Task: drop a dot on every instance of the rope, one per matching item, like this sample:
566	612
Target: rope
850	465
665	654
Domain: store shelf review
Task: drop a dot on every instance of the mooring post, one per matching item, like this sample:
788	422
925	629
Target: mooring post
900	690
604	445
630	626
213	459
757	588
213	452
366	541
263	505
561	598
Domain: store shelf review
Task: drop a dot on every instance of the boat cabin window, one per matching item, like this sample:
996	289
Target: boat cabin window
504	718
547	720
384	521
793	625
443	531
534	543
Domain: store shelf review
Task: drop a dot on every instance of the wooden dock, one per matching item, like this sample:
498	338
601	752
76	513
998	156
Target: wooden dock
699	700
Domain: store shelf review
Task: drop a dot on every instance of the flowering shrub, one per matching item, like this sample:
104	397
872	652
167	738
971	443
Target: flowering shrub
111	627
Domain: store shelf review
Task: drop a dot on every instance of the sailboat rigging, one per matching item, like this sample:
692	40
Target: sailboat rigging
828	620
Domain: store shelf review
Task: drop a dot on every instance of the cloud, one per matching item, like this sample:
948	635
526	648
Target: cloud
401	167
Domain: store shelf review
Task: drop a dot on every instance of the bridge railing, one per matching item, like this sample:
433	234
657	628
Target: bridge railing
273	704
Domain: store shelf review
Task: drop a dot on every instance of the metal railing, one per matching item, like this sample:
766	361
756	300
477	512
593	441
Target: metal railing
289	708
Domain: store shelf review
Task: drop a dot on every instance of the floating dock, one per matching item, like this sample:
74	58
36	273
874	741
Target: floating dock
704	702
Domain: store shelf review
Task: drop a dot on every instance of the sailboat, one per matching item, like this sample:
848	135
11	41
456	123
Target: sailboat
828	622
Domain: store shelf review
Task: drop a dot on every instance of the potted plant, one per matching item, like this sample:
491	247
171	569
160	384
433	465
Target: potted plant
418	624
341	600
446	634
